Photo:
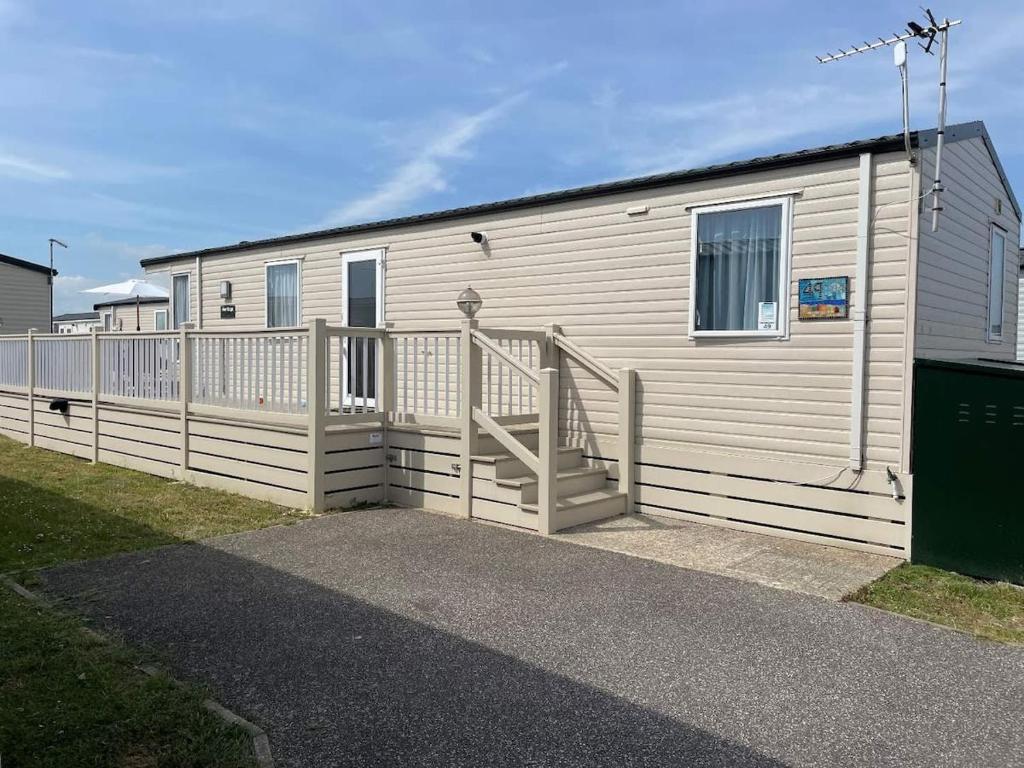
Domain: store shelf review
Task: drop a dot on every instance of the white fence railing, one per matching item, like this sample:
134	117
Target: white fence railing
136	366
428	366
64	364
352	366
14	362
268	371
260	371
506	392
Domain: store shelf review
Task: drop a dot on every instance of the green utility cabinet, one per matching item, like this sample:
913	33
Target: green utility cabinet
968	464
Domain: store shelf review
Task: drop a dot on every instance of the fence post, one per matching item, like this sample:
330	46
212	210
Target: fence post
94	345
627	433
470	396
30	379
547	453
184	390
316	376
385	386
549	357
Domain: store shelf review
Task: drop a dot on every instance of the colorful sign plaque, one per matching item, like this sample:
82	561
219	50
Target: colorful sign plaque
825	298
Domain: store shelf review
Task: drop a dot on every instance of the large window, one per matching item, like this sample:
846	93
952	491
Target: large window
282	294
996	284
739	270
181	297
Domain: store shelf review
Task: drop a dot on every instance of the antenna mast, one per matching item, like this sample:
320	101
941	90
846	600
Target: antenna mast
926	35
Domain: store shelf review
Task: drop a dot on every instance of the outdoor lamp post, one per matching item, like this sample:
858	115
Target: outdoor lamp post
469	302
62	245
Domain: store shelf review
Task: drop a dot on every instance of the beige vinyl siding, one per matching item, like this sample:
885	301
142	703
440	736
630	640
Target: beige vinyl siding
125	315
953	263
188	267
1020	319
24	300
619	287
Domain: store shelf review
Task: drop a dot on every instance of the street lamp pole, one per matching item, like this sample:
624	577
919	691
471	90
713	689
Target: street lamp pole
62	245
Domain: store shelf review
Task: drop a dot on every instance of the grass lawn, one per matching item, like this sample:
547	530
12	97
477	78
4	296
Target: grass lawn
987	609
67	699
57	508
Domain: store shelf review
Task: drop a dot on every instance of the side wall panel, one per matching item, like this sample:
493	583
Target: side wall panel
24	300
953	263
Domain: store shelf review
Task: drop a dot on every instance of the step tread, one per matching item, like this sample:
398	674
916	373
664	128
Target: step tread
579	499
518	482
491	458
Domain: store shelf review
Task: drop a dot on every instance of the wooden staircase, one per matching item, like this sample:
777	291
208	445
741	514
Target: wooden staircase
505	491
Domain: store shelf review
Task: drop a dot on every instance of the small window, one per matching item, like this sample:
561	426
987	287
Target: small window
739	270
107	322
996	284
160	320
181	298
282	290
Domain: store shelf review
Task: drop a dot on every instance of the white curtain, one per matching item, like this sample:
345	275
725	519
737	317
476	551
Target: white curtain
282	295
737	266
181	299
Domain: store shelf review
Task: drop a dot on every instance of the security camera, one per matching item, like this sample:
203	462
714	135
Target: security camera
479	237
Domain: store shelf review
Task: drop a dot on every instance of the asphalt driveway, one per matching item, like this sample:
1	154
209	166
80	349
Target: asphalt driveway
400	637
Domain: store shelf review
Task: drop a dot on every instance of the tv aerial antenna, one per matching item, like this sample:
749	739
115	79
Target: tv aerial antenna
926	35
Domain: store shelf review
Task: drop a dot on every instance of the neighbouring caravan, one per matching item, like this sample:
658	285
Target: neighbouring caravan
24	295
732	344
144	315
76	322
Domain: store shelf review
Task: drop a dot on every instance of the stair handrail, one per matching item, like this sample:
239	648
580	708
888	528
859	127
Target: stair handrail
483	341
543	463
623	383
588	361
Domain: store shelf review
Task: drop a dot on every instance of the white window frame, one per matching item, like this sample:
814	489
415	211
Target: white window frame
167	319
785	256
188	316
298	262
106	327
375	255
995	338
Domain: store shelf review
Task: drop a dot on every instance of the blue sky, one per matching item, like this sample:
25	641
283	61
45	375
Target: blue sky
138	129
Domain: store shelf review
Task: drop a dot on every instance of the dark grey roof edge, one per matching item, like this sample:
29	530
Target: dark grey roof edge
122	302
26	264
768	162
67	317
974	130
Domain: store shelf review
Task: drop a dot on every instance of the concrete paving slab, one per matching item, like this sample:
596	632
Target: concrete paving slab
399	637
813	569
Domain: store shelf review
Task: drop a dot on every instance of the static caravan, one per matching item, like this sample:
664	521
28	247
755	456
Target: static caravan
143	315
24	295
734	345
76	322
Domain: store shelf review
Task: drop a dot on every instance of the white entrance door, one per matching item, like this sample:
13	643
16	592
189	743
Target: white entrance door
362	306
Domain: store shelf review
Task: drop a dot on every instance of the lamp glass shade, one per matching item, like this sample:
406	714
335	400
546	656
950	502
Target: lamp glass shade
469	302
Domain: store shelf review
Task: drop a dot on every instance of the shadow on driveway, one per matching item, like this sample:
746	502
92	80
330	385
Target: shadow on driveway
338	681
398	637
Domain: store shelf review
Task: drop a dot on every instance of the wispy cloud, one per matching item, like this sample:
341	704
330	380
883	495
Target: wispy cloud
25	168
427	171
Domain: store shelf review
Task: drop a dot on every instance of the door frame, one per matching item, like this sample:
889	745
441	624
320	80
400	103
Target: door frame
375	255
